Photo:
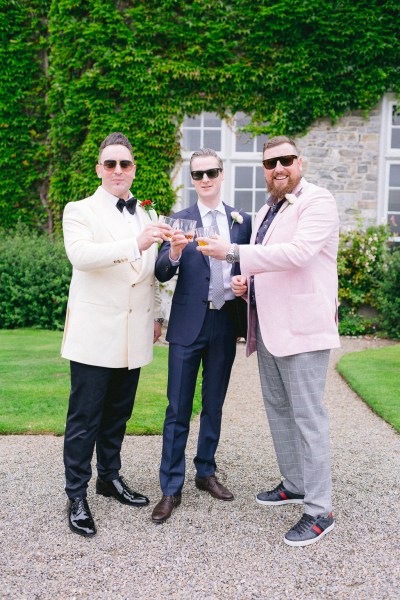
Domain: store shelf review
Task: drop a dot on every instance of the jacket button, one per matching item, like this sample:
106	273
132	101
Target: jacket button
130	310
133	285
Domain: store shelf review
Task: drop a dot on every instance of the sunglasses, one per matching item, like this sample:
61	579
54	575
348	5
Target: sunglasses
211	174
286	161
126	165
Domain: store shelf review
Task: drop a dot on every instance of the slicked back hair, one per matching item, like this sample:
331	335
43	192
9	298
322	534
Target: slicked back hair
115	138
206	152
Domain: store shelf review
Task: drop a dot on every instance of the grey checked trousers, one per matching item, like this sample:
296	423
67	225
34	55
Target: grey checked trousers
293	388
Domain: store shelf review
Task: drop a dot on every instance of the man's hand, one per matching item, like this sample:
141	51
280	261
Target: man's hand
239	285
157	331
152	233
216	247
178	243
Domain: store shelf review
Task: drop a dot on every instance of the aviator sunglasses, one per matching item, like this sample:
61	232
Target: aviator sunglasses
126	165
286	161
211	174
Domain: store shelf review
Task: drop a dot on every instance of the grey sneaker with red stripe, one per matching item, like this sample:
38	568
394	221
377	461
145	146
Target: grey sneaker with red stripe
309	530
279	495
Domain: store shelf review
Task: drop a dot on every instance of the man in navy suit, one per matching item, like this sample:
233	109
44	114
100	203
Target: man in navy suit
199	332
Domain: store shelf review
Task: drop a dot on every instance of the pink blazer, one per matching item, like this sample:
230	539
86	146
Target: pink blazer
295	275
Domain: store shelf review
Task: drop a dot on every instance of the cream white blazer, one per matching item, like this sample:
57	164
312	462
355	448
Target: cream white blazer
113	299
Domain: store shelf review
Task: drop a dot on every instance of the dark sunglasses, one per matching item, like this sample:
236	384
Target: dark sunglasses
109	165
211	174
286	161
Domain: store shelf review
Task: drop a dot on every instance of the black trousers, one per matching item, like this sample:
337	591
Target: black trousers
100	404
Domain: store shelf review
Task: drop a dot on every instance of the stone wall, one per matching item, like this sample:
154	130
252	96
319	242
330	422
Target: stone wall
344	158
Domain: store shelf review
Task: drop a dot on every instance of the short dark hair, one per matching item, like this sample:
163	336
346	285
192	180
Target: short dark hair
278	140
115	138
206	152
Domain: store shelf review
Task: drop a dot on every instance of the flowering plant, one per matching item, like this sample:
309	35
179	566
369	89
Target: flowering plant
148	205
291	198
236	218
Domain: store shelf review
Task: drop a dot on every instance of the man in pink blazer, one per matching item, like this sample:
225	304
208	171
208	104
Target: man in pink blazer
111	325
289	277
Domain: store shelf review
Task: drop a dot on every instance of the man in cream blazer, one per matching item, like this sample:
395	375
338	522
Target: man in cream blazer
111	324
289	276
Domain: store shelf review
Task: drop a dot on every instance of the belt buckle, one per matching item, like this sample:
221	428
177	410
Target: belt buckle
211	306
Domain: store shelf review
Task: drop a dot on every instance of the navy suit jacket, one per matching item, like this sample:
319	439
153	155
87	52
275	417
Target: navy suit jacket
189	302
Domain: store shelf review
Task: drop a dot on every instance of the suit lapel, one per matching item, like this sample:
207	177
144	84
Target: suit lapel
257	223
113	220
147	255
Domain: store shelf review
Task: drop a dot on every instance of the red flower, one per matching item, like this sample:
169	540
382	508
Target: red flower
147	205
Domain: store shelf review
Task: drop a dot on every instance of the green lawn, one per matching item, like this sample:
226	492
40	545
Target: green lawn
34	386
375	376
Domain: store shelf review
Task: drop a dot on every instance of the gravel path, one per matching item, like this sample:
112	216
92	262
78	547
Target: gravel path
209	549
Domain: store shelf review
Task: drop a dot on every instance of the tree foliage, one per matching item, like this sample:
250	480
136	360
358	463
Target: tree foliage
140	65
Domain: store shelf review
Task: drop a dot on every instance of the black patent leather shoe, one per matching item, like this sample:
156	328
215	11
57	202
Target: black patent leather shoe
80	518
119	489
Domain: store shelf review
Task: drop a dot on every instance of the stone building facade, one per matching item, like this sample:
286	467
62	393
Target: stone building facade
344	158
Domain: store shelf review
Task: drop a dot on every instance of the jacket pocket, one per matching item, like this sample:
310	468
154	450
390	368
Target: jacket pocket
308	314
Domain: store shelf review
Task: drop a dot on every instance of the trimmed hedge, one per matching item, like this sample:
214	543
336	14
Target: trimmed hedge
34	280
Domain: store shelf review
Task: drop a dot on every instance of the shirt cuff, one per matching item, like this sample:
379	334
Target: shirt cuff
174	263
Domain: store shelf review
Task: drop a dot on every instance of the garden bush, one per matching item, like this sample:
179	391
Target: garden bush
34	280
388	295
361	270
35	274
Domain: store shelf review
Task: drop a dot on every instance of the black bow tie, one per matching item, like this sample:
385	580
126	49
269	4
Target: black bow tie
129	204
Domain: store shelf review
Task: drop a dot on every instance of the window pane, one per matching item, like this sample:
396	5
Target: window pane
394	223
243	200
242	119
244	177
212	120
396	115
395	138
261	139
260	200
192	121
394	177
244	143
394	200
260	181
192	196
186	176
191	139
212	139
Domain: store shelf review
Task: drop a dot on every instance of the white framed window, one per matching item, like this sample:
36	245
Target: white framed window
389	181
244	184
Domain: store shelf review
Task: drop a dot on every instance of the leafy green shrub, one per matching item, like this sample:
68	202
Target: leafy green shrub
388	295
361	269
34	281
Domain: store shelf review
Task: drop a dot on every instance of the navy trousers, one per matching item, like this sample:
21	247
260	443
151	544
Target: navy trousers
100	404
215	348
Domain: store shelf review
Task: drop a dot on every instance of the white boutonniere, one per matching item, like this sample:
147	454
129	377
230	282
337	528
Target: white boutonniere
291	198
236	218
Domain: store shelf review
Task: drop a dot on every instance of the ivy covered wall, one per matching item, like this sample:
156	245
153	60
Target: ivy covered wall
75	71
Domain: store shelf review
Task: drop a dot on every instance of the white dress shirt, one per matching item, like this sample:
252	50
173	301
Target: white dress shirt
133	222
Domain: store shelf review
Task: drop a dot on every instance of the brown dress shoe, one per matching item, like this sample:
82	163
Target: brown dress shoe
214	487
163	510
